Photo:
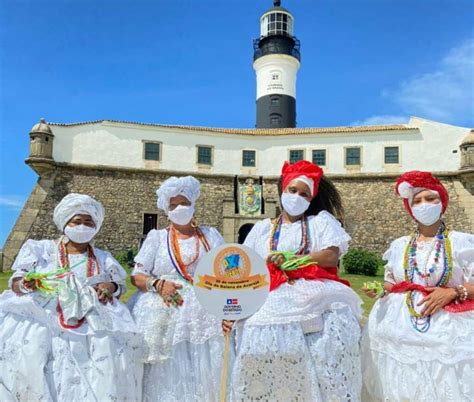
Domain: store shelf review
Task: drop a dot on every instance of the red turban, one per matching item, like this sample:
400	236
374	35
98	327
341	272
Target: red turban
411	183
290	172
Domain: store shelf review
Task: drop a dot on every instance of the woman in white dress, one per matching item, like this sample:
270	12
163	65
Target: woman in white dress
303	344
185	344
418	344
64	336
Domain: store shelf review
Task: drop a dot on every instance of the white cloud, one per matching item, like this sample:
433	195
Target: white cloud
380	120
444	94
12	201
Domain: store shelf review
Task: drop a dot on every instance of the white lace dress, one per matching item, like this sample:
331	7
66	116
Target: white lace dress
402	364
185	344
303	344
42	361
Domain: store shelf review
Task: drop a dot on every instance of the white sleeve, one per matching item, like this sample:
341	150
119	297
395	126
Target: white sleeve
213	236
388	256
329	233
117	273
145	259
27	259
253	235
464	255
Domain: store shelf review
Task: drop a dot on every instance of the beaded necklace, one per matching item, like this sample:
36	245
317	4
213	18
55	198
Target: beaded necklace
174	251
276	231
410	266
92	264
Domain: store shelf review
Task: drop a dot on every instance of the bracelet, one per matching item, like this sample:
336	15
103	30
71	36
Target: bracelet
161	284
150	284
461	293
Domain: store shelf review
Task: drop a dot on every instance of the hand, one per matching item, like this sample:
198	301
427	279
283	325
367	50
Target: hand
168	291
105	291
277	259
227	326
19	283
372	293
30	285
437	299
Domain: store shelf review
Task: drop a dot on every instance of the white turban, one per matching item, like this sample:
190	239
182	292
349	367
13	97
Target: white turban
78	204
188	187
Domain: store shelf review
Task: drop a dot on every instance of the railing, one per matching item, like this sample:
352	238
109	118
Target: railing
294	51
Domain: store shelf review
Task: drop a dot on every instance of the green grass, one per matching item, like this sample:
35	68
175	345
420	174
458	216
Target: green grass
357	281
4	277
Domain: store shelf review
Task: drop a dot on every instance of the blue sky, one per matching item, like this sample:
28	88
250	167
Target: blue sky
190	62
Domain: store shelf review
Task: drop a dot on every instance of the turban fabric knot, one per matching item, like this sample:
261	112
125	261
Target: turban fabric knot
187	186
411	183
78	204
304	171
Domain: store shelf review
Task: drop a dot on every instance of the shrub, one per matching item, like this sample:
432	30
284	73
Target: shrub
125	258
361	262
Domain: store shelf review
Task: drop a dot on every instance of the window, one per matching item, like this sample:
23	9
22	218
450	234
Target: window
275	120
279	24
149	222
204	156
248	158
352	156
296	155
275	76
152	151
319	157
275	102
391	155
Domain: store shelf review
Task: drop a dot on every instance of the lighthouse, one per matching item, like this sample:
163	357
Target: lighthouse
276	64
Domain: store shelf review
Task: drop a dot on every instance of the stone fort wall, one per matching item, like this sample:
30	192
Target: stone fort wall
374	216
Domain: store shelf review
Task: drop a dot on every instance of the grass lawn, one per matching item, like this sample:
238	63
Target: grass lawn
4	277
357	281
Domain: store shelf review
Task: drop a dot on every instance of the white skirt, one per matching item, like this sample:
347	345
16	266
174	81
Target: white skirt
402	364
40	361
283	363
192	374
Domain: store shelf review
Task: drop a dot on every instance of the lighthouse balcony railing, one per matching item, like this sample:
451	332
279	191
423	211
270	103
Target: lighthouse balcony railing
292	51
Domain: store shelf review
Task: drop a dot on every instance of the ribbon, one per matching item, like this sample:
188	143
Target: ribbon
308	272
47	282
453	307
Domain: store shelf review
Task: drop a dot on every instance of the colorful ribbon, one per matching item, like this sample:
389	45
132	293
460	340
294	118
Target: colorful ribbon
279	276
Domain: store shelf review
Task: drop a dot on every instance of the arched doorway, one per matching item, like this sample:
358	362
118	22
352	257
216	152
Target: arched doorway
244	231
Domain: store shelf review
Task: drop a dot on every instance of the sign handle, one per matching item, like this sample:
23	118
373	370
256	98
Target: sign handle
225	366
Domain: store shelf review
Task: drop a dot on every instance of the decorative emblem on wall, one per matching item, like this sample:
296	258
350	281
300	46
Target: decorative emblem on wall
250	198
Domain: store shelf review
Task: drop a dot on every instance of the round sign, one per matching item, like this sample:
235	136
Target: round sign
232	282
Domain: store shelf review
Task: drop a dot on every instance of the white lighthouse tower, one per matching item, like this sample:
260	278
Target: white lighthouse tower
276	63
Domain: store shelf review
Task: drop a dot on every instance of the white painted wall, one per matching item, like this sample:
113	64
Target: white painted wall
286	67
429	147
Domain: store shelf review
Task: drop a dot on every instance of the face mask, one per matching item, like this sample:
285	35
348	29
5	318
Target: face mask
181	215
294	204
80	234
427	214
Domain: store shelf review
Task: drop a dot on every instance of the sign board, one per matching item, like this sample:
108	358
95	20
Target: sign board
232	282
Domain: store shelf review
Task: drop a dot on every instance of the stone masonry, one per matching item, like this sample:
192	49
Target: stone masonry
374	216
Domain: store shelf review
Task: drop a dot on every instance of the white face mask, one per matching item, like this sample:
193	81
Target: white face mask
294	204
80	233
181	215
427	213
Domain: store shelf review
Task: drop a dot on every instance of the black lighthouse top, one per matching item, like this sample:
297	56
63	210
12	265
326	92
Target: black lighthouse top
276	33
